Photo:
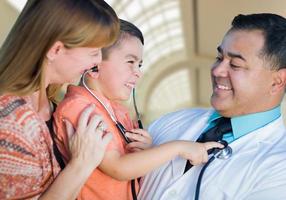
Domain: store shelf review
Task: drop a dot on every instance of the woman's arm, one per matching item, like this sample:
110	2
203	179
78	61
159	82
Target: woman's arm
68	183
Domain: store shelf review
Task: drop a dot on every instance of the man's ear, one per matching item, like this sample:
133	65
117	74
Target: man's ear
55	50
279	81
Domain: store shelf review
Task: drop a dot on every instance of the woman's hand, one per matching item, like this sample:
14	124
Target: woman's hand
87	145
140	138
88	142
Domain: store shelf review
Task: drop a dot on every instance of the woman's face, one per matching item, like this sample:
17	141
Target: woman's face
66	65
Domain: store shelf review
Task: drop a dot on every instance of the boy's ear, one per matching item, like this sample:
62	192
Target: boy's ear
55	50
279	81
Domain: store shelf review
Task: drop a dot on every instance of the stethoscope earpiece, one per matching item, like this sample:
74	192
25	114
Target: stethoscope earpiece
94	69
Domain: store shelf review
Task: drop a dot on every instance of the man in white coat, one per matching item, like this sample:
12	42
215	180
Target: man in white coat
249	79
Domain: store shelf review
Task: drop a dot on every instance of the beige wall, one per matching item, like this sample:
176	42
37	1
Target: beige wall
214	18
8	15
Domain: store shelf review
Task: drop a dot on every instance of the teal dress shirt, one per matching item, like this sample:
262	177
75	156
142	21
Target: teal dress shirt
244	124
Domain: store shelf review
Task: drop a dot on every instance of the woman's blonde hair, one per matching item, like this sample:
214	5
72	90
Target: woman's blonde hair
76	23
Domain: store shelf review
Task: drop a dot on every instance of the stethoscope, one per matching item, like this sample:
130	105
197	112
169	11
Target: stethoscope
224	153
120	127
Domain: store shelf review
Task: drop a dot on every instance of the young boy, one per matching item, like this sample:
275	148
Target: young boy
113	82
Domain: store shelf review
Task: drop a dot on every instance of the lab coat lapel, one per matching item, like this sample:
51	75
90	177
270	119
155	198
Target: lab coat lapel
253	141
243	149
192	134
243	146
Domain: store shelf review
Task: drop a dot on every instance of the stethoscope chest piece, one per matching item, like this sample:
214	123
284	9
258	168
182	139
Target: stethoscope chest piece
225	153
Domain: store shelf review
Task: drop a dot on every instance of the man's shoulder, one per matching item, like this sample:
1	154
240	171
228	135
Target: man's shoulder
168	126
181	116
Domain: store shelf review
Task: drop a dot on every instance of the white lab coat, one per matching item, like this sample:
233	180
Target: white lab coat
256	170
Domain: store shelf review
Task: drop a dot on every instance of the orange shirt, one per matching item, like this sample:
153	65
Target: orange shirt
99	186
27	162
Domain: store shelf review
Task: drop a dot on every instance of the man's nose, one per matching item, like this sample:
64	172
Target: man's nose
220	69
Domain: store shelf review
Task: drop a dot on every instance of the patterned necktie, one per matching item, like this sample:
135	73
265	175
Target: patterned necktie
215	133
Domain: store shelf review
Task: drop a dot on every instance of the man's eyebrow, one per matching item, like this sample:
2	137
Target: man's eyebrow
230	54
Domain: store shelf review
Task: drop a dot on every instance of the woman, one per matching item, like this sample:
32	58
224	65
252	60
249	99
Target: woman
52	42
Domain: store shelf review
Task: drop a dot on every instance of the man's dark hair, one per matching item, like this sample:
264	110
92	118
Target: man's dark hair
127	29
274	29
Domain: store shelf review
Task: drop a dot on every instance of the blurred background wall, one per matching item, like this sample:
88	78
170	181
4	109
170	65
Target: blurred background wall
181	37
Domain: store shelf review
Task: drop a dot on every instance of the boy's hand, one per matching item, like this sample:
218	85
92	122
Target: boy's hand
196	152
140	138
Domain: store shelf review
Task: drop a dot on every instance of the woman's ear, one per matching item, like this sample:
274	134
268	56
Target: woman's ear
55	50
279	81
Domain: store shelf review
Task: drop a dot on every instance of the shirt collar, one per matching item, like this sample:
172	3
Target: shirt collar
250	122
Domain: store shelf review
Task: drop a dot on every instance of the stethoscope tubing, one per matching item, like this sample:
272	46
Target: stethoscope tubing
198	186
119	126
140	124
224	153
98	99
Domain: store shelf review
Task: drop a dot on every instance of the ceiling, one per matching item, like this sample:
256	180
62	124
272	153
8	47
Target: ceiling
181	37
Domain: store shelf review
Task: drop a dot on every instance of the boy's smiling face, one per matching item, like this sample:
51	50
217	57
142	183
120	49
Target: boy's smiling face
119	73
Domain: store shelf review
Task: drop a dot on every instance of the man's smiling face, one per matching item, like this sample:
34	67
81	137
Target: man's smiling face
241	78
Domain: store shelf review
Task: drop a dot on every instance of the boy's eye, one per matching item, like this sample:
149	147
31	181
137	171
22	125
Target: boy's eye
132	62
